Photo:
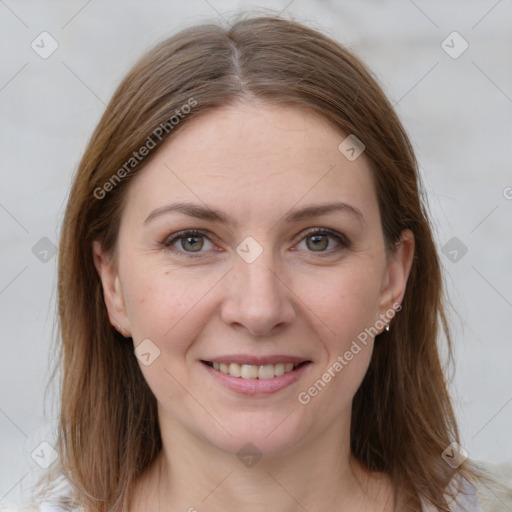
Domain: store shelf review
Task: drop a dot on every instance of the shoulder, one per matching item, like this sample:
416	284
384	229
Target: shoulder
465	500
33	507
56	499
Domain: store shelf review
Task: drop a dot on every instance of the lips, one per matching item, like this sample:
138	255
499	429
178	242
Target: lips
253	371
252	379
256	360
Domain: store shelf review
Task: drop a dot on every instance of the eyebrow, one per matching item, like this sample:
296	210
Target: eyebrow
294	215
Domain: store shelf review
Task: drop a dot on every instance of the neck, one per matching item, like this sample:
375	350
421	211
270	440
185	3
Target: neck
190	474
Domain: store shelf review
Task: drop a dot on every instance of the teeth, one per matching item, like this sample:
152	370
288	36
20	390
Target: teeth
250	371
266	371
247	371
235	370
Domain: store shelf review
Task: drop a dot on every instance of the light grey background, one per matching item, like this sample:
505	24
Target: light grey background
458	113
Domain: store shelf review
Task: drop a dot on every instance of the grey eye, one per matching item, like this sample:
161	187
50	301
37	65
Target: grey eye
317	243
188	242
192	243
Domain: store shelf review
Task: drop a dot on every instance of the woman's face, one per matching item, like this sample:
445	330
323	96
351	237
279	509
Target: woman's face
265	280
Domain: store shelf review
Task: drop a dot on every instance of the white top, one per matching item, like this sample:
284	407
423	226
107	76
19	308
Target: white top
467	502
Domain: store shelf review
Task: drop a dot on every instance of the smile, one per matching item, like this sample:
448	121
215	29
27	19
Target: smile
252	371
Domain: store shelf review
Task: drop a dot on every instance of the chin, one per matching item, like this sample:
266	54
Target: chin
265	436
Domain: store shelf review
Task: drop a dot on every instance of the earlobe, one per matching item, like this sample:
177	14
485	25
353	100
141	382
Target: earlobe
112	290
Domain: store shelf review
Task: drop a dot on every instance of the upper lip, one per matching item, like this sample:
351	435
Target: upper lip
256	360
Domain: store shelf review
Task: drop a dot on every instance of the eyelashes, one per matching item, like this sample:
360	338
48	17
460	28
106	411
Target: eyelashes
317	236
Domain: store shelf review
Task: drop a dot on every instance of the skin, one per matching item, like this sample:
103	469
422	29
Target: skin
255	162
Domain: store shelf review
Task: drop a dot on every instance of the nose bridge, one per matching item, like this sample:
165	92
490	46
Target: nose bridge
257	299
259	283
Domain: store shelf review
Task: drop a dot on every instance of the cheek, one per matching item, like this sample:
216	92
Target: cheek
165	307
161	303
347	308
348	345
346	300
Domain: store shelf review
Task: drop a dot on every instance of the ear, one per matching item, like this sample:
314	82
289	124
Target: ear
397	272
112	290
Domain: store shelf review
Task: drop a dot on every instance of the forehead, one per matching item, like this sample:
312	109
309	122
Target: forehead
255	159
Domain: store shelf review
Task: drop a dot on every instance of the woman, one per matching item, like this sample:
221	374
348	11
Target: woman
249	291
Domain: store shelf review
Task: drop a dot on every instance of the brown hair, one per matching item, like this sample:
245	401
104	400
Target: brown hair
402	415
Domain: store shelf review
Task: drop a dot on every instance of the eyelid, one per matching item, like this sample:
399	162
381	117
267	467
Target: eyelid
340	237
344	242
171	239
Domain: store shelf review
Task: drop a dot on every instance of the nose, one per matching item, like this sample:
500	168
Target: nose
258	298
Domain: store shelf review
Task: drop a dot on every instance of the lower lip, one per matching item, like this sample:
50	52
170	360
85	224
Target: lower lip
254	387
